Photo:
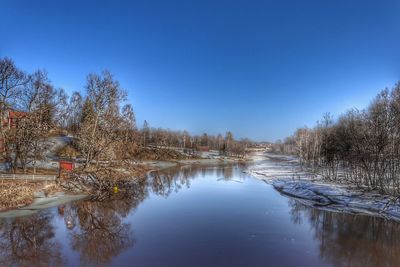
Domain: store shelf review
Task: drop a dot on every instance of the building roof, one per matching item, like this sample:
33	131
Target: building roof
16	114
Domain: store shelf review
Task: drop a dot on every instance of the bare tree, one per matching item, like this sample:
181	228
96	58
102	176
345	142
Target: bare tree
100	130
145	132
75	107
61	109
12	82
362	144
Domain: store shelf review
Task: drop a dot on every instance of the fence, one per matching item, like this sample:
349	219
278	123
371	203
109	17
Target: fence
32	177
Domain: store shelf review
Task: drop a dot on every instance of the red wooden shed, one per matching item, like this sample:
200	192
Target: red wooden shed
66	165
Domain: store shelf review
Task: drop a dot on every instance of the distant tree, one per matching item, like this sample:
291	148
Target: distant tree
129	116
87	111
145	132
75	108
229	141
129	122
220	141
204	140
185	138
62	109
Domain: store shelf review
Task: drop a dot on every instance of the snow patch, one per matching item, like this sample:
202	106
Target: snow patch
286	176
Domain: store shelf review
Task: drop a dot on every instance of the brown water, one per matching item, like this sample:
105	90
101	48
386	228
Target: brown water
197	216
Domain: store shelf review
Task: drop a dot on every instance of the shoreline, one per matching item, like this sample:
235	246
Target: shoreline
281	172
41	201
165	164
285	175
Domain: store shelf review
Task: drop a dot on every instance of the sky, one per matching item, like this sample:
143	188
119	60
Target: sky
260	69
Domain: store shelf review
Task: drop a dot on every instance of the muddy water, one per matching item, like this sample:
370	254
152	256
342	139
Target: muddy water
197	216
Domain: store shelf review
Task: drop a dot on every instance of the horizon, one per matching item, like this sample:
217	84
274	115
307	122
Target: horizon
215	68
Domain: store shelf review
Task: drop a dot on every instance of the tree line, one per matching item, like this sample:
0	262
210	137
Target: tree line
101	121
361	146
226	145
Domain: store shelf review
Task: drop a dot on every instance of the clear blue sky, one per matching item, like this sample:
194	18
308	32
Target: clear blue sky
258	68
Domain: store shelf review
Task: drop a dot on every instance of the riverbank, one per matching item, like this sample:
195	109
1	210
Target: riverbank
156	165
19	193
41	201
286	176
19	198
282	172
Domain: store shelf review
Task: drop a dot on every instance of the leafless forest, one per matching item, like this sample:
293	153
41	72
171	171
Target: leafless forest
360	147
100	120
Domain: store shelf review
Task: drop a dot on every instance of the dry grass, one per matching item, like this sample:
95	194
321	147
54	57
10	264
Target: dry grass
114	171
50	189
152	153
15	194
136	152
57	132
68	151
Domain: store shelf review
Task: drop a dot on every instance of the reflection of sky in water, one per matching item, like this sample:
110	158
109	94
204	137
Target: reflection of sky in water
198	216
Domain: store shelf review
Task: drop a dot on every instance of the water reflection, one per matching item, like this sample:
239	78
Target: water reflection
349	240
97	229
99	232
28	241
164	183
173	179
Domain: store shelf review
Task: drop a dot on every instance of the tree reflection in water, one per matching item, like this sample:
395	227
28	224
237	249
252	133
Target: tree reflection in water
351	240
165	182
28	241
98	230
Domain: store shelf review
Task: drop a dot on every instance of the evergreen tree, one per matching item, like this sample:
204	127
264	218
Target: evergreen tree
87	111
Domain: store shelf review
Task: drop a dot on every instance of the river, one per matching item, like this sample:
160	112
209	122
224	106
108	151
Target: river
197	216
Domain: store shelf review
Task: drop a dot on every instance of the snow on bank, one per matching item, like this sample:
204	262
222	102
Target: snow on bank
42	202
286	176
52	144
270	167
50	159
